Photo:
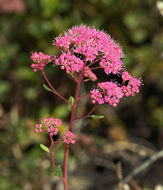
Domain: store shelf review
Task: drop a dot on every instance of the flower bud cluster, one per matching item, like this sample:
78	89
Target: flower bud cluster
49	125
69	138
40	60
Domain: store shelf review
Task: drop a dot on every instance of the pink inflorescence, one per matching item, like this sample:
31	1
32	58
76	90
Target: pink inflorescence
90	51
70	62
111	93
85	46
49	125
40	60
69	138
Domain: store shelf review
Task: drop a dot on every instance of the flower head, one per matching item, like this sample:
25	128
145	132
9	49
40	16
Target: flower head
40	60
49	125
69	138
85	50
82	46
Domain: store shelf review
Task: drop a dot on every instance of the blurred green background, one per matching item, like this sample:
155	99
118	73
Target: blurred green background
27	26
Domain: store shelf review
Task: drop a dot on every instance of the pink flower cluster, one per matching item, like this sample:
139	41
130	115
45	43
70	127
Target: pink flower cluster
69	138
49	125
86	49
40	60
70	62
93	45
132	87
111	93
110	67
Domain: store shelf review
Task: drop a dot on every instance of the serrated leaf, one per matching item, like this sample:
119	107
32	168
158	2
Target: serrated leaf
58	171
43	147
97	116
71	100
47	88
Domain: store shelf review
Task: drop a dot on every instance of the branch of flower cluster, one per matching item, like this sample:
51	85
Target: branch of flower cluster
55	92
87	95
85	116
95	61
84	96
99	67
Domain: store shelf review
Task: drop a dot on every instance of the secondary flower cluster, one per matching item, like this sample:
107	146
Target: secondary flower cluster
69	138
51	127
112	92
70	62
40	60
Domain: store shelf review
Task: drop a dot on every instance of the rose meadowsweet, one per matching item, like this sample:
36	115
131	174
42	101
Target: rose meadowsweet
85	49
88	55
40	60
69	138
91	44
88	49
49	125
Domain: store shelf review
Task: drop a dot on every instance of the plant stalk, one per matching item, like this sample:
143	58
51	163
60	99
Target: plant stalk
73	113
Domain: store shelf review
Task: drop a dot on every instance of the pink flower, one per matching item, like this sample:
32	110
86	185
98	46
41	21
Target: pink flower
126	76
132	87
69	138
70	62
83	45
40	60
110	93
86	49
49	125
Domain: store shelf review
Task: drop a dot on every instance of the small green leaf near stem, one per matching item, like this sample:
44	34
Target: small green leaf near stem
43	147
47	88
71	100
97	116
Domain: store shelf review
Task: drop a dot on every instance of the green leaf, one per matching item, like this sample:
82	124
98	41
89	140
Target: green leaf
47	88
71	100
44	148
58	171
97	116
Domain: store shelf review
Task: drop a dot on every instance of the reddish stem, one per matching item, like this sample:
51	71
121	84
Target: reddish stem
55	92
84	96
85	116
94	61
73	111
65	181
99	67
76	98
